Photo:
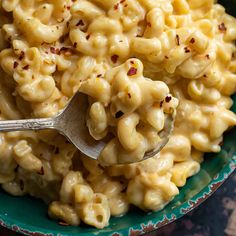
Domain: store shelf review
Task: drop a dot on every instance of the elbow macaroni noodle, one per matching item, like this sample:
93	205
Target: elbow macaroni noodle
137	60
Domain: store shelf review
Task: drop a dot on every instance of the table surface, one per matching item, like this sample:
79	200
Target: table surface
215	217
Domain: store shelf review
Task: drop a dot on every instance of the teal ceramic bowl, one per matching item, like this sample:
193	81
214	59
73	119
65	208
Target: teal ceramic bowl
29	216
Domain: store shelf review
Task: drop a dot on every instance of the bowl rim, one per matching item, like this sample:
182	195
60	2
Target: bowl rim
139	228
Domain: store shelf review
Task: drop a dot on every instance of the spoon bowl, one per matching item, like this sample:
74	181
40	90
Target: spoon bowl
71	122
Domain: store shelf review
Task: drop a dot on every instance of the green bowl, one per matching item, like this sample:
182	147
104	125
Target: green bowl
29	216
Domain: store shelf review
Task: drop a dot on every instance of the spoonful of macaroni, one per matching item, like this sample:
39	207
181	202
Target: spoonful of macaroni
120	118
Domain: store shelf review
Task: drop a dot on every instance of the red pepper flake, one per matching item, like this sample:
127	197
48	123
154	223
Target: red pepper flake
99	76
63	223
192	40
205	76
88	36
114	58
26	67
41	172
166	57
168	99
80	23
122	1
129	95
177	40
119	114
132	62
68	7
186	50
149	24
75	45
126	5
132	71
15	64
222	27
22	54
208	56
116	6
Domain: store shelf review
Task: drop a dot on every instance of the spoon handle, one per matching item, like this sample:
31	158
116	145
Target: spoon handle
30	124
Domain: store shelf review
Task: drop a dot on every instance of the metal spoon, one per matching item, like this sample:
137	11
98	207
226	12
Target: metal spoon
71	123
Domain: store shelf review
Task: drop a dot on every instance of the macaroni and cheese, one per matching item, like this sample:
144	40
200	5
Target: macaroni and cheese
137	60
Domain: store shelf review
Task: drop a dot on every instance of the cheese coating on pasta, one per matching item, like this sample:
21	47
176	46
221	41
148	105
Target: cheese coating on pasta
136	60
